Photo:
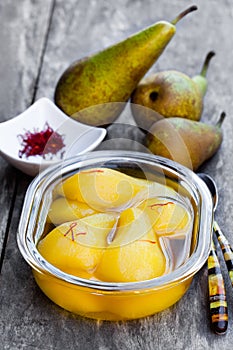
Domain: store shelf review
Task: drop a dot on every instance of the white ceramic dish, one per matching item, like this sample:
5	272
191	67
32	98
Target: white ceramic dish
78	138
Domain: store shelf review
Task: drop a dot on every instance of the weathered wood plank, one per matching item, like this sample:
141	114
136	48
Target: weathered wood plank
22	36
23	32
8	185
28	319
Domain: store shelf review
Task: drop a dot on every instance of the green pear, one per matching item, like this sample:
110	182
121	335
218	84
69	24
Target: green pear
170	94
111	75
185	141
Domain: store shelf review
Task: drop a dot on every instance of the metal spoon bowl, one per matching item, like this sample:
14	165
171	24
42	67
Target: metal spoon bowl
211	184
224	243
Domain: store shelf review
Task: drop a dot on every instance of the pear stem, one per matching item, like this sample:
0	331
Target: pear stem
184	13
221	119
206	63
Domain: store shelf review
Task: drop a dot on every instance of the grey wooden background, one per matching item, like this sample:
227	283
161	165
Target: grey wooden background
38	40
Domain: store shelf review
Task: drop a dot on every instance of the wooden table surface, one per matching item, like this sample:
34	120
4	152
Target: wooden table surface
38	40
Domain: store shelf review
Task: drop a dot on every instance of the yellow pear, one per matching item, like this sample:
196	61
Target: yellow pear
140	260
166	216
78	245
107	189
63	210
103	189
134	253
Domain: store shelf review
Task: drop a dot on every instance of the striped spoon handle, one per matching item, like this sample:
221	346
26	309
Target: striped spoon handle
226	250
217	294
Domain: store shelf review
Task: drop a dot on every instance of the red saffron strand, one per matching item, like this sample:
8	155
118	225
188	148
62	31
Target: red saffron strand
147	240
159	205
72	225
41	143
80	233
93	171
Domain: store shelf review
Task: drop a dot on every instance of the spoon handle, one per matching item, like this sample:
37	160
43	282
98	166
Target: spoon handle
226	250
217	294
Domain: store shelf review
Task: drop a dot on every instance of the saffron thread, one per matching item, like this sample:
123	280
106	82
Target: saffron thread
80	233
159	205
72	225
147	240
93	171
40	143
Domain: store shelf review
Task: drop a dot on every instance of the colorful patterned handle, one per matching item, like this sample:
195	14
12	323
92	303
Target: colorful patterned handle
226	250
217	294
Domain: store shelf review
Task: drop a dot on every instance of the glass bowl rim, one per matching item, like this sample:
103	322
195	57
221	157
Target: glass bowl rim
184	272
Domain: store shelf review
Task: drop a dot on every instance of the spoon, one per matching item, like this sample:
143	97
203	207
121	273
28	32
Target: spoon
78	138
217	293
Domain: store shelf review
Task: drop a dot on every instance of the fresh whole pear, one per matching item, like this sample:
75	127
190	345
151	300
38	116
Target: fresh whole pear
170	94
185	141
112	74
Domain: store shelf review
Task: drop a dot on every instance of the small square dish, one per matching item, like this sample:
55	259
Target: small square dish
78	138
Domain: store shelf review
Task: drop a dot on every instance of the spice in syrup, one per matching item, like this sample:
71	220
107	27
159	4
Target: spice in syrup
152	206
70	230
41	143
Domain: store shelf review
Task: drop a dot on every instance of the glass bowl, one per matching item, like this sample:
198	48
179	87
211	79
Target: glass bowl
116	300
